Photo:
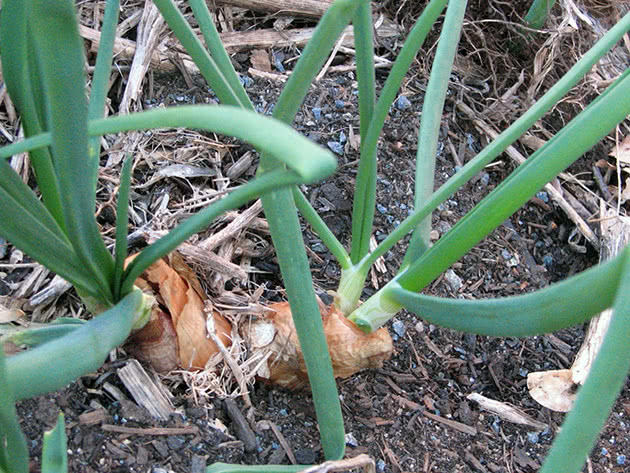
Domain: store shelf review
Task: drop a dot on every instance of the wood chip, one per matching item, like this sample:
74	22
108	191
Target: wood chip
241	428
94	417
145	391
506	411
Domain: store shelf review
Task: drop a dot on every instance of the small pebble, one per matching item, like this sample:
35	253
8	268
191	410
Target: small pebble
621	459
380	465
283	412
523	372
335	147
246	81
278	57
342	137
399	328
339	103
543	196
351	440
484	180
381	208
532	437
496	425
547	260
402	103
604	452
317	112
506	254
453	280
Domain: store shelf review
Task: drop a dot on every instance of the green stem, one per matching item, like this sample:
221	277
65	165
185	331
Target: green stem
432	109
218	52
206	64
100	81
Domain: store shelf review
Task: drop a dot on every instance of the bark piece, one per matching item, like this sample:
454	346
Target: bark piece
241	428
145	391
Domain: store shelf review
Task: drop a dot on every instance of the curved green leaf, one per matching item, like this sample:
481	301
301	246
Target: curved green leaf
312	162
595	399
13	450
54	455
52	365
54	29
561	305
19	72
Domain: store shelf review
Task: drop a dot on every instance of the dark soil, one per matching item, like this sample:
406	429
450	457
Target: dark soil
399	414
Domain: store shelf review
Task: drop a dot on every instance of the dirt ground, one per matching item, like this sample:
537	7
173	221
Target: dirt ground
412	415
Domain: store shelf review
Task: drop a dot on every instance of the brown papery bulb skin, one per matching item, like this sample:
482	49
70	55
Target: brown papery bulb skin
351	350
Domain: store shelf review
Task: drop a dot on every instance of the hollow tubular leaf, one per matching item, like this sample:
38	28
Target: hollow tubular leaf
594	401
320	228
36	336
570	143
54	455
506	138
366	77
52	365
17	70
365	197
561	305
218	52
432	110
54	29
336	18
13	449
100	81
537	13
122	221
26	223
207	66
287	237
312	163
577	137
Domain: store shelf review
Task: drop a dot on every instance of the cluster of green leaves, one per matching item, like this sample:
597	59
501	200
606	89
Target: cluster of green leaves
62	130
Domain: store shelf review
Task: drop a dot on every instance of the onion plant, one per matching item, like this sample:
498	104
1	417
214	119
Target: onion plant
42	65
